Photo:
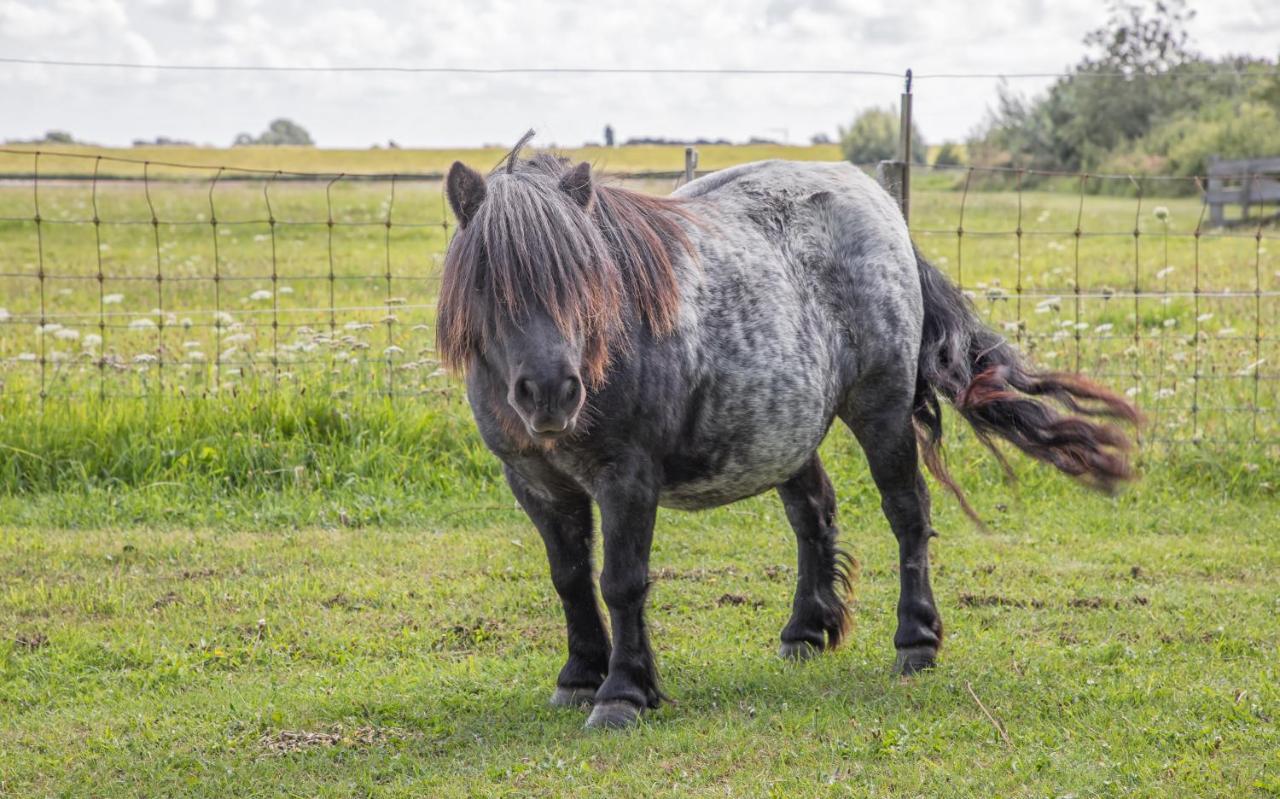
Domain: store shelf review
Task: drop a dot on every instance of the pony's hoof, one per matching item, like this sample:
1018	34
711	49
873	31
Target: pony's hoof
616	714
573	697
915	659
798	650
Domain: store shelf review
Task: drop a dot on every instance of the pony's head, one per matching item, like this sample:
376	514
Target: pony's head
545	274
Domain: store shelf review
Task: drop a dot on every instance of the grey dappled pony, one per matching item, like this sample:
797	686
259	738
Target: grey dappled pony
691	351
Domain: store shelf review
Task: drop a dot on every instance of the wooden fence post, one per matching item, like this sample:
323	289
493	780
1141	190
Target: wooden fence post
690	163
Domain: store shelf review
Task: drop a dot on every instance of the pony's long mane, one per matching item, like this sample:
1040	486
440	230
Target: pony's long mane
592	270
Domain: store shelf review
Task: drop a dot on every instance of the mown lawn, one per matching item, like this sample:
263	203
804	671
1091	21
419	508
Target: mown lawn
1121	646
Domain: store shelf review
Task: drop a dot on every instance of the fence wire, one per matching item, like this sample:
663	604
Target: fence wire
143	279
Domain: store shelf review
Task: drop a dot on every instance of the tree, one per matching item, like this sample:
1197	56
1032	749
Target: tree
1108	100
279	132
820	138
948	155
873	136
1135	44
608	135
286	131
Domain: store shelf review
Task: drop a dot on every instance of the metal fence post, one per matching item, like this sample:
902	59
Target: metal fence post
904	151
690	163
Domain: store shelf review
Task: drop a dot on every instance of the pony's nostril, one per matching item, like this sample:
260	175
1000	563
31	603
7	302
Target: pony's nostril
526	391
570	391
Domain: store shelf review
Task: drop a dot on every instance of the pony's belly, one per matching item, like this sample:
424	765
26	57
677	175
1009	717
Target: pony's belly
742	472
712	494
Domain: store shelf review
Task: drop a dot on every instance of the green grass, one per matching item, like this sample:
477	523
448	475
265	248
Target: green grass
175	631
1196	346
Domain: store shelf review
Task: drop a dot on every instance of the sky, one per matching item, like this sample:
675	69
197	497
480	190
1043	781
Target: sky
113	107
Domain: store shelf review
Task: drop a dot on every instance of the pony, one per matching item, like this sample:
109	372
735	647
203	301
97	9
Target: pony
630	351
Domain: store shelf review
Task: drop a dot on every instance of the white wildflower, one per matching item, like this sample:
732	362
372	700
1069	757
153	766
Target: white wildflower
260	294
51	327
145	357
1163	273
392	350
4	315
67	334
1204	317
26	356
1105	327
112	299
141	324
92	340
1161	213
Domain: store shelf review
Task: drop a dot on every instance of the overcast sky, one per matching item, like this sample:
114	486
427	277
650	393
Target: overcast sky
111	106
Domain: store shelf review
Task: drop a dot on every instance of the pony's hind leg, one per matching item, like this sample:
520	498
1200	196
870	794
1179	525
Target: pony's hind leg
566	529
819	613
888	438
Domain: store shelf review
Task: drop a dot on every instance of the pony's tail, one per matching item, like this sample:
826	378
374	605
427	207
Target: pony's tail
988	383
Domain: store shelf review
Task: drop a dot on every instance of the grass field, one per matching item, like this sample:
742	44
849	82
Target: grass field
231	565
1185	322
70	159
381	624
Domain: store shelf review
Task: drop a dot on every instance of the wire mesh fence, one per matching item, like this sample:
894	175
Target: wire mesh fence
147	279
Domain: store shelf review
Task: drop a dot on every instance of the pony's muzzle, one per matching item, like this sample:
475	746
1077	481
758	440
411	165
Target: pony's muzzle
549	408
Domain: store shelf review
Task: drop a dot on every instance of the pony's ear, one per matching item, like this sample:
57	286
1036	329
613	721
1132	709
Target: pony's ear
577	184
465	188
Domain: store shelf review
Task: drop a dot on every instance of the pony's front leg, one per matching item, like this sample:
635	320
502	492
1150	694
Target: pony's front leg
628	501
564	522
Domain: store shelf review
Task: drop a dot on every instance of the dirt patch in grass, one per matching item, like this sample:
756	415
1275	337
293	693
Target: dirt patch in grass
287	742
165	601
997	601
31	641
1078	603
738	599
695	575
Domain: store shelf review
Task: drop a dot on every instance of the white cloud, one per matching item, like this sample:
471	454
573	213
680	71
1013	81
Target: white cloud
114	106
